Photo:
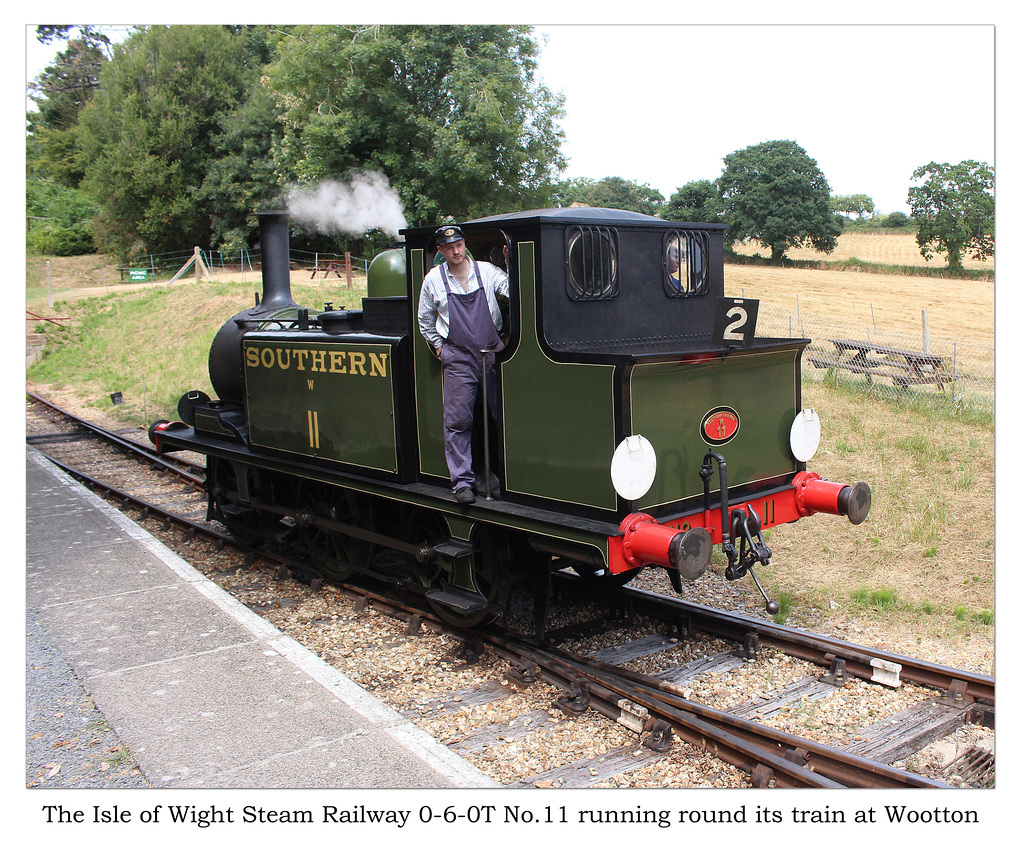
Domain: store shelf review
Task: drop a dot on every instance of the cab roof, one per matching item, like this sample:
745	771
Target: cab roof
576	215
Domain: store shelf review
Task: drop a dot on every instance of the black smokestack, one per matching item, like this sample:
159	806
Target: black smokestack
275	260
226	350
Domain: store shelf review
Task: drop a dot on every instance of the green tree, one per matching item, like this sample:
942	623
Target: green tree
611	192
575	190
695	202
774	193
248	166
245	175
896	220
853	204
45	33
60	93
147	135
614	192
59	219
955	210
64	87
451	115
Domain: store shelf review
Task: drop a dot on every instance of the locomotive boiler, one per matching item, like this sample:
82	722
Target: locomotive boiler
642	421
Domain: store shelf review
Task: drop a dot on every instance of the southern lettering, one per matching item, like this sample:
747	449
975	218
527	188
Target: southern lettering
316	360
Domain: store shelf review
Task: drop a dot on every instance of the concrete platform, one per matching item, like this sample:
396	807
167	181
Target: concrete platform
204	692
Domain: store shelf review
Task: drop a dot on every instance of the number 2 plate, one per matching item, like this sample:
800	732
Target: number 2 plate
735	321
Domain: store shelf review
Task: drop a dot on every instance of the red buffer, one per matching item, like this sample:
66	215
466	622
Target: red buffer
686	545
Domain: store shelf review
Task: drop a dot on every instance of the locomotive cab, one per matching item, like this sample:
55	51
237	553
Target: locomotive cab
611	332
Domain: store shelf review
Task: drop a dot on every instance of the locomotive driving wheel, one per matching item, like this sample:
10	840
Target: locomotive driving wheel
337	553
246	523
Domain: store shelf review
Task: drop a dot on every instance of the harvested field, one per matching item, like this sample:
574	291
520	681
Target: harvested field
894	309
875	247
958	309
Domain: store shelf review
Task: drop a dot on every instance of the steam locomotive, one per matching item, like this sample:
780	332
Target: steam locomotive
642	422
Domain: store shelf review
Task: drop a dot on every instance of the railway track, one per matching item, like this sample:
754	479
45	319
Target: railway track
672	692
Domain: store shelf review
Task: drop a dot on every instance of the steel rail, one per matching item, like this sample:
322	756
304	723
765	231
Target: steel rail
765	753
147	508
590	691
174	465
848	769
793	761
861	661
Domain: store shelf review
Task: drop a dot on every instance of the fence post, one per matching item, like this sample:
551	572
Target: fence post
952	384
348	269
924	327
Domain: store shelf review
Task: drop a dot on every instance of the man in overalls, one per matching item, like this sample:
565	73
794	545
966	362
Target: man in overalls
459	317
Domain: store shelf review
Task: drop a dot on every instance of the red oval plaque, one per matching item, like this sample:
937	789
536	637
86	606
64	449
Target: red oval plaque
720	425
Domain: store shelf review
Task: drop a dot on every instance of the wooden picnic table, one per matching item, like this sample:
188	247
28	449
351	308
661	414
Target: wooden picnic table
916	368
328	268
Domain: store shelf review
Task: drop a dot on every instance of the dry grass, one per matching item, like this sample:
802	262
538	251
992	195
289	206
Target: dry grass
957	309
79	277
875	247
926	554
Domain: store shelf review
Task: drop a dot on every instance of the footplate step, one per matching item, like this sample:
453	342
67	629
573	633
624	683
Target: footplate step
457	598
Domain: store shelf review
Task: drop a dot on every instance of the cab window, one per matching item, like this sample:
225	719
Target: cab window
684	260
592	271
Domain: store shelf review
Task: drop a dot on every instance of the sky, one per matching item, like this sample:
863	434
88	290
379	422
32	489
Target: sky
663	104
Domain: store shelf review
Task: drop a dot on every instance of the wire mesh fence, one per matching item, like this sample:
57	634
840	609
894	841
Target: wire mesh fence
893	365
165	265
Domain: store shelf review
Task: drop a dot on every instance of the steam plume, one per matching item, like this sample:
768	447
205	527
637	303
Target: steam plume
367	201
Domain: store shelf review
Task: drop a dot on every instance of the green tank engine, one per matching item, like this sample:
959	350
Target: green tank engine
642	421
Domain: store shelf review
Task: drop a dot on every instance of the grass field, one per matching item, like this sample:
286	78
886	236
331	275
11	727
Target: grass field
957	309
925	559
874	247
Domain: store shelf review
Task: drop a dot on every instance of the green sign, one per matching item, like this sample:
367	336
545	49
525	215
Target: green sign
138	274
323	400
